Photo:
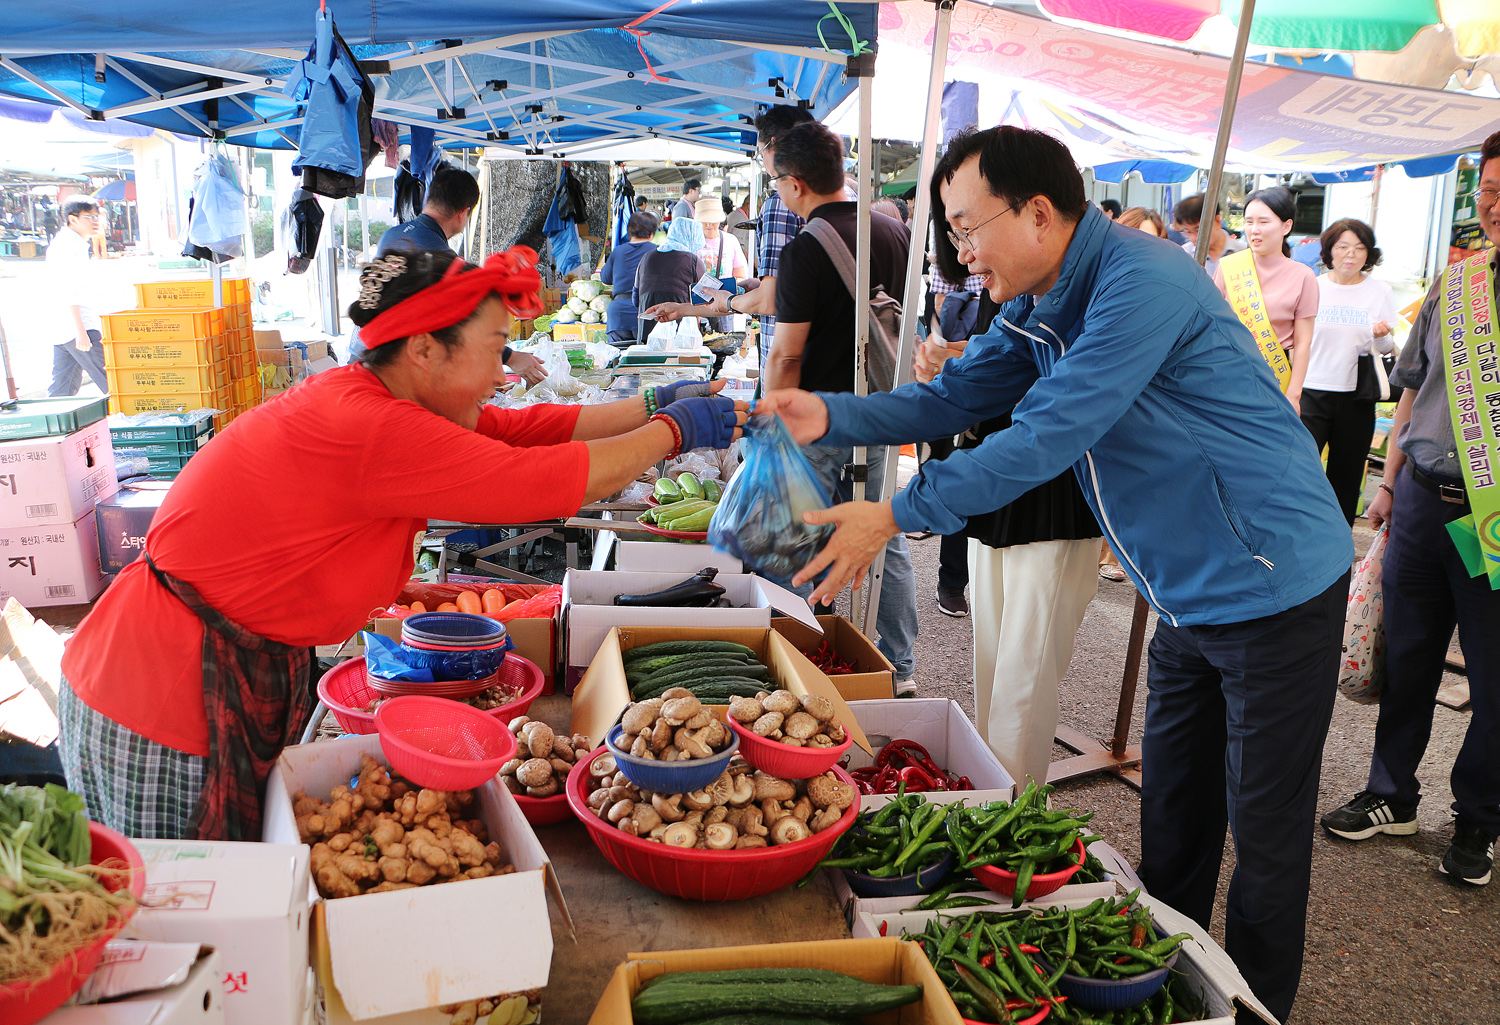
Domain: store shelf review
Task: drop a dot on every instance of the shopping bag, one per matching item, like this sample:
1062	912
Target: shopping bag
675	334
759	518
1362	672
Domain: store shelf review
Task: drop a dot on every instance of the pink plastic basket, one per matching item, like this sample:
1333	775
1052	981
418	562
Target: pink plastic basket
703	874
346	689
545	811
442	744
784	760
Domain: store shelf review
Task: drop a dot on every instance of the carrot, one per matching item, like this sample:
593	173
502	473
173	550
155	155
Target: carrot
468	601
447	606
493	602
417	606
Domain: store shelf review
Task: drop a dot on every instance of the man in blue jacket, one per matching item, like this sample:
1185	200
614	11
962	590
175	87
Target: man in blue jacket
1128	366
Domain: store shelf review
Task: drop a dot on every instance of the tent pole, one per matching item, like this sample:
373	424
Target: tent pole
861	606
1226	123
10	380
921	211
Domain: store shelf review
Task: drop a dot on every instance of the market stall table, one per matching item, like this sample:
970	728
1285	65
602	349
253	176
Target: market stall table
566	528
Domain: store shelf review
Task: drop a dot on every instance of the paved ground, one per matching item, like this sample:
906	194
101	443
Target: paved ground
1389	939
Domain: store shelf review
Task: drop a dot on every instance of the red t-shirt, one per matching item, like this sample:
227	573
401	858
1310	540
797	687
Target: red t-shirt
297	523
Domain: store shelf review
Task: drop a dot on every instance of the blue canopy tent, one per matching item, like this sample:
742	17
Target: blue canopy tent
542	79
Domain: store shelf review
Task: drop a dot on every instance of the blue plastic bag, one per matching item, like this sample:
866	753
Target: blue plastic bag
759	518
391	660
326	85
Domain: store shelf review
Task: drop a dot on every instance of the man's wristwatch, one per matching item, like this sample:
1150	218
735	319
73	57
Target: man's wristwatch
729	302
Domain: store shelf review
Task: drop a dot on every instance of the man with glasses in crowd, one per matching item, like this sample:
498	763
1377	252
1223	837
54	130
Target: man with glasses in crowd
74	287
1124	363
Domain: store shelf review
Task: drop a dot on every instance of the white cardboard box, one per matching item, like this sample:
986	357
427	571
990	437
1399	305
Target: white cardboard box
56	564
589	612
194	1001
665	557
944	729
448	943
55	480
1207	967
247	900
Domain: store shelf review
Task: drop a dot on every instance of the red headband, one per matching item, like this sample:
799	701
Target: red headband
511	275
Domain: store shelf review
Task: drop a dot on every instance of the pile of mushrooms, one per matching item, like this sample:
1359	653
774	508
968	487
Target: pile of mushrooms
543	758
674	727
742	809
787	719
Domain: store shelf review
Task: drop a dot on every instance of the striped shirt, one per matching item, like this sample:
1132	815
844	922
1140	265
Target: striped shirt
776	226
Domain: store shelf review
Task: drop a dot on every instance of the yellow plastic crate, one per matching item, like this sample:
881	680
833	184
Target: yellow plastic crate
239	317
241	341
130	403
188	352
246	390
165	325
190	292
223	420
138	380
243	365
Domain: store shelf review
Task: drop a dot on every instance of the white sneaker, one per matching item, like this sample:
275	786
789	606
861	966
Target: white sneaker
906	688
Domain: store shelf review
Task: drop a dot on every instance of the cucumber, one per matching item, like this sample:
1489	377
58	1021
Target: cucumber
747	975
649	516
696	520
667	514
680	1003
656	665
666	491
689	484
650	651
753	1018
712	490
697	672
722	686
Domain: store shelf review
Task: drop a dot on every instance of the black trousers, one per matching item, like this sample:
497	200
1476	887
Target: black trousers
1236	716
1427	590
953	562
1346	425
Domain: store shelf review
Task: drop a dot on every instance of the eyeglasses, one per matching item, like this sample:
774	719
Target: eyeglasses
1486	197
963	238
776	178
1345	247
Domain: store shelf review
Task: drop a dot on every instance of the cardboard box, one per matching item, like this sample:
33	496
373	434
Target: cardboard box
250	902
876	677
448	942
128	967
603	693
122	521
52	565
943	728
30	676
196	1000
589	612
874	960
664	557
1226	994
55	480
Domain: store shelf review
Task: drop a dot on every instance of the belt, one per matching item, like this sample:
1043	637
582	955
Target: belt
1447	492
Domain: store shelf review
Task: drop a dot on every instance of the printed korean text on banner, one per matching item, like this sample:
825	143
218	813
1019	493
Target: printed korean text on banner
1242	286
1474	404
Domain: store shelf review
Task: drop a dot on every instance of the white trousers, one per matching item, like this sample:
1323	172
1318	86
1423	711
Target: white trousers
1027	603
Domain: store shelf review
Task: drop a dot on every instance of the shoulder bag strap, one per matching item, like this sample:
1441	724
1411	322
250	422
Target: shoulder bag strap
837	249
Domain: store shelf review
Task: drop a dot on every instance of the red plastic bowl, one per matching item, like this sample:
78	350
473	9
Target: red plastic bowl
345	689
784	760
545	811
704	875
27	1003
1003	882
442	744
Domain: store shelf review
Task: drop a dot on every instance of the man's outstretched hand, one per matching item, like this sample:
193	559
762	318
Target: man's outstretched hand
804	414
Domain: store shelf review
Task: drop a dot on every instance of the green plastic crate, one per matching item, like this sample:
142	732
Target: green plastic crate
197	433
162	448
41	418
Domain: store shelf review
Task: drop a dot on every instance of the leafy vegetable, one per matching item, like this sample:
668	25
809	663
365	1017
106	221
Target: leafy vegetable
585	290
600	304
589	317
578	304
566	315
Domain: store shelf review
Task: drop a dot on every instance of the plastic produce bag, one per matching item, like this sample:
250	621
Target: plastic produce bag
759	519
676	334
1362	672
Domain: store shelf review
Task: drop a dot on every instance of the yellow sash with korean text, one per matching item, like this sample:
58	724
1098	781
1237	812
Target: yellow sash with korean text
1242	289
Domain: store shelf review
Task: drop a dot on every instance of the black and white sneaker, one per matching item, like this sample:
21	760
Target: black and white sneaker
1369	814
951	602
1471	855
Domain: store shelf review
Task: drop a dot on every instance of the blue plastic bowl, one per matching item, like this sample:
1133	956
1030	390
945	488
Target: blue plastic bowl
1114	994
921	881
452	628
456	664
670	777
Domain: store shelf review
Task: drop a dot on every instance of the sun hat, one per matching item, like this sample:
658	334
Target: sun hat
709	210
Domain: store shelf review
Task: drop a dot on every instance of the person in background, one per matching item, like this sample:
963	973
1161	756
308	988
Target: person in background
1428	588
74	289
1111	208
887	206
1186	215
450	199
1148	221
690	195
667	274
721	253
622	319
1124	363
736	216
1289	290
1356	314
815	345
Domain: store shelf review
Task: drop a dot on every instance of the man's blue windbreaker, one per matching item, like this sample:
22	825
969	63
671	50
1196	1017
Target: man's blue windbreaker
1133	370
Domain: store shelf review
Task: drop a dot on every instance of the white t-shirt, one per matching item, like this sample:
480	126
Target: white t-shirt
1342	333
72	282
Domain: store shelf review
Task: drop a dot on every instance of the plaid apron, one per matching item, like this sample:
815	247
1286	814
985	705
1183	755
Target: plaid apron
256	696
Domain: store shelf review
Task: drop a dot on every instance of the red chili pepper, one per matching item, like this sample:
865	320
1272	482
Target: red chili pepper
883	925
987	961
1027	948
964	784
916	779
908	750
1036	1019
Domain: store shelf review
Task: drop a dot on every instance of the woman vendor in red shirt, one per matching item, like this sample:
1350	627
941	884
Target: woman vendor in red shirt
191	674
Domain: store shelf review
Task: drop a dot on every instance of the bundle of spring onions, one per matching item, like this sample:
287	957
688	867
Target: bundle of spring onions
52	901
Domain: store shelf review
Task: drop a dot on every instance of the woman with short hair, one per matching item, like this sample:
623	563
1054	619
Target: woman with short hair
618	272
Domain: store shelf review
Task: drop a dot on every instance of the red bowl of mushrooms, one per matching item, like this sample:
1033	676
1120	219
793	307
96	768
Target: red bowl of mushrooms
538	773
744	835
788	736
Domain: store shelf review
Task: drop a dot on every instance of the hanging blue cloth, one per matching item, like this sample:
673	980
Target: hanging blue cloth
424	155
562	235
327	87
624	206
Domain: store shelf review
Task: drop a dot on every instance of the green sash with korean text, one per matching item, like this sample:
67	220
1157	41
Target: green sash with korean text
1242	289
1470	337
